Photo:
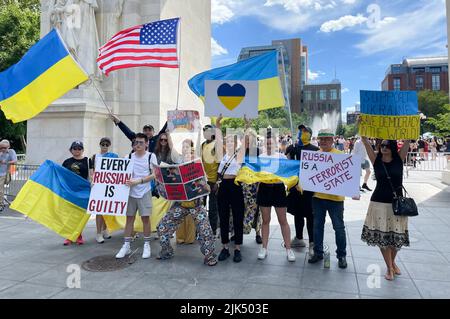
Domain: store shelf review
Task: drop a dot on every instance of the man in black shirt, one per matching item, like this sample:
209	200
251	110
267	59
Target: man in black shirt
147	130
300	204
81	166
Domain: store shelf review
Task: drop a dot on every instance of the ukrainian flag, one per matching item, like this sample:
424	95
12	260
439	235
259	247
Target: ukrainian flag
56	198
263	68
45	73
269	171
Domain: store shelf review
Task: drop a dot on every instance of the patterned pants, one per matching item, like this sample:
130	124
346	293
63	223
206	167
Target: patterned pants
174	217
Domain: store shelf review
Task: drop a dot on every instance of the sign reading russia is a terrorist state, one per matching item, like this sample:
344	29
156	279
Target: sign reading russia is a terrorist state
330	173
109	194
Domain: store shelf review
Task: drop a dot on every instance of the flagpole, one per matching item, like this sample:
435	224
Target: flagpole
288	101
179	64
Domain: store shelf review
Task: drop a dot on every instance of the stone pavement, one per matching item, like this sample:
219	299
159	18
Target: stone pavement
33	261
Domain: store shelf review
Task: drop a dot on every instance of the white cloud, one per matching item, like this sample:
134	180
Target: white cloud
342	23
349	1
290	16
221	12
345	90
217	49
312	76
409	32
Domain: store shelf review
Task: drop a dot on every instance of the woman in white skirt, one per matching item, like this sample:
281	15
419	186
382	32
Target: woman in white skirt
382	228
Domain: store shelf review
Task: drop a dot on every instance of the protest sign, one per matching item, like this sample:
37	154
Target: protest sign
181	182
231	98
389	115
330	173
109	194
183	120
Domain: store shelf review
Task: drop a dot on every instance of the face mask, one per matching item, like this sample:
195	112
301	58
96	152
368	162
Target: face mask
305	138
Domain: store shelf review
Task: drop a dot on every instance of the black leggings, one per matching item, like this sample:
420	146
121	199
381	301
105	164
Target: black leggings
230	195
300	223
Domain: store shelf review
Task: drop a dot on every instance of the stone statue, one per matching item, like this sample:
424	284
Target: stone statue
111	12
76	21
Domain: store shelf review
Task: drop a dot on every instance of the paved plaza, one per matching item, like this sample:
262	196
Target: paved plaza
34	263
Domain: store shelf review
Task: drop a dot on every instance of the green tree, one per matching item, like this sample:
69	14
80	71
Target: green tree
441	122
19	30
432	103
340	129
350	130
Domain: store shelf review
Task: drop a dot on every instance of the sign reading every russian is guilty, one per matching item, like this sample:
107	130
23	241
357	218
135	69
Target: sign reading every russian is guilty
109	193
330	173
391	115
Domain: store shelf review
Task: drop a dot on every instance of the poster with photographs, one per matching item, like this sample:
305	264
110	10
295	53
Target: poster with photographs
183	121
183	182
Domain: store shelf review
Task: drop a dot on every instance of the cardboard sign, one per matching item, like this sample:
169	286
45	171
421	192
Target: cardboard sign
109	194
183	182
389	115
231	98
329	173
390	127
183	120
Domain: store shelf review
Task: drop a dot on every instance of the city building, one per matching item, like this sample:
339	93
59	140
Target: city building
448	34
416	74
318	99
295	63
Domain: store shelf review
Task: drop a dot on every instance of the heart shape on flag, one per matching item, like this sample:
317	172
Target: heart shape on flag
231	96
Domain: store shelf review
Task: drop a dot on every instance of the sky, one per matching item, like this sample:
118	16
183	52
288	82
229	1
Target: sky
358	38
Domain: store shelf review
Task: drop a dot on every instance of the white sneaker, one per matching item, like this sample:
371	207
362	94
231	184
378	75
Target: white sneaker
99	238
147	251
295	243
262	254
290	255
106	234
125	250
311	249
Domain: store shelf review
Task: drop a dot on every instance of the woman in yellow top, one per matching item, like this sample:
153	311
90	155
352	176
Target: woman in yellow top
177	214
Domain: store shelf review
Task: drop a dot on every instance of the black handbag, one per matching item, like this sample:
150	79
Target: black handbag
402	205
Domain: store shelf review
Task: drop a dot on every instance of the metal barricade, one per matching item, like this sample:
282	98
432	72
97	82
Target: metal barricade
20	173
427	161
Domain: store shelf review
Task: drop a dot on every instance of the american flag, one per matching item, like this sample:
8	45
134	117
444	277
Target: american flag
153	45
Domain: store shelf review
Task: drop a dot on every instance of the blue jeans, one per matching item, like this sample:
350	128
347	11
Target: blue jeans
336	212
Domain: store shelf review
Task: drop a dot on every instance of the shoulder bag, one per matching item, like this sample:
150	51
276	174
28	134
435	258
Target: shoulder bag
401	205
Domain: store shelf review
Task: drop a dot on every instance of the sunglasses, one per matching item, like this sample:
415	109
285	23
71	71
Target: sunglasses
384	145
77	149
163	140
105	144
138	143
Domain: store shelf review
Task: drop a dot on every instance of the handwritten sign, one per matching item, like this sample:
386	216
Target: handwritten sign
183	182
329	173
389	115
390	127
109	194
183	120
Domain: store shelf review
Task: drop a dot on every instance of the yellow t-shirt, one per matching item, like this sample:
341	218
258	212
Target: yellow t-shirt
335	198
209	160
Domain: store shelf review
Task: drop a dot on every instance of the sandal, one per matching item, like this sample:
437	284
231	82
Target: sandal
389	274
397	270
210	262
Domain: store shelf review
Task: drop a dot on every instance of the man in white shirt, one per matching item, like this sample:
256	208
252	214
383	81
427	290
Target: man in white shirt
360	151
140	197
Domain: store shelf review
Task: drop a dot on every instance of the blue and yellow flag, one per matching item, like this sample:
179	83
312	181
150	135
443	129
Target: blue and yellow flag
262	68
45	73
269	170
56	198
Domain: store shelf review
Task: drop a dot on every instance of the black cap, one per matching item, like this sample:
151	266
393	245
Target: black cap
77	144
303	127
148	127
105	139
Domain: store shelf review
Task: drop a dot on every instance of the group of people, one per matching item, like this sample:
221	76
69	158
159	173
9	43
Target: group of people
235	209
8	159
